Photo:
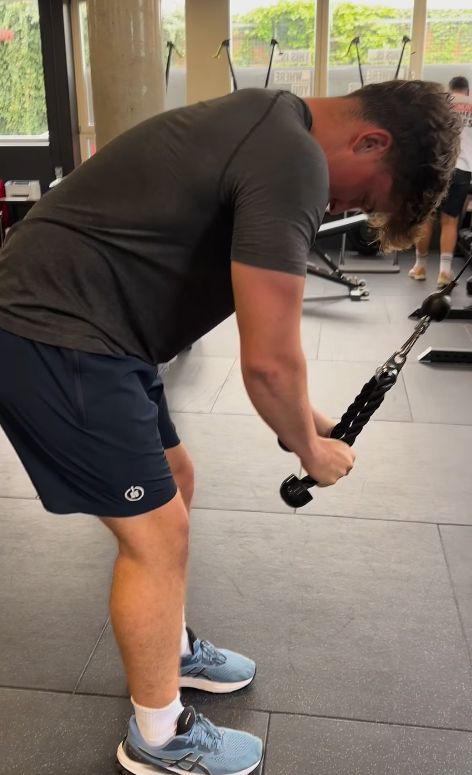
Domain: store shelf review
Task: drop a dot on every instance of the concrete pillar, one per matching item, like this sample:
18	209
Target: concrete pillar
418	39
126	64
207	23
322	29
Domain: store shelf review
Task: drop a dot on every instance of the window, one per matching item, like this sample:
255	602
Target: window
83	79
448	46
23	117
380	26
256	25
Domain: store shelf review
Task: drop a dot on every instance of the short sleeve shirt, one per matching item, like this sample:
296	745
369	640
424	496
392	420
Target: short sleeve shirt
131	253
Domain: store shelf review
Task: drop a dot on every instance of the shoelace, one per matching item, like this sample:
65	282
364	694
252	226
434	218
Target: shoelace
205	733
215	656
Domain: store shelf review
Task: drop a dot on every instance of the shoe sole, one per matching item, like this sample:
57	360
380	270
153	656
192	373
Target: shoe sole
205	685
127	766
412	277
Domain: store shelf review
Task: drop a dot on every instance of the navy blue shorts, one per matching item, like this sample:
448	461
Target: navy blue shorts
90	430
454	202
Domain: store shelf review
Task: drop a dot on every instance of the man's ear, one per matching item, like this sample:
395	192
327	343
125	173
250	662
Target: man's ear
375	141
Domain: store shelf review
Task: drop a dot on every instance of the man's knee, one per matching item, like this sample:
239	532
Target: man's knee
159	535
182	469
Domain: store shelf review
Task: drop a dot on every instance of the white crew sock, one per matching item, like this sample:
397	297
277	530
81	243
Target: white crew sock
445	263
185	650
421	259
158	725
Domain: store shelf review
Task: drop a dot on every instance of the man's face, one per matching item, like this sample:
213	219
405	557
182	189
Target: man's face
360	179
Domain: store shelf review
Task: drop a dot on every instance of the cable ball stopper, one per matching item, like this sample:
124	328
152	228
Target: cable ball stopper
436	306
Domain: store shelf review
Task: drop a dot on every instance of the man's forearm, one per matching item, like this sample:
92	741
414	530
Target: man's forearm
279	392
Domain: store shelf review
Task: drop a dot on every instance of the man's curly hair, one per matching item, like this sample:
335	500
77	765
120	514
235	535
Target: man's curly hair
426	143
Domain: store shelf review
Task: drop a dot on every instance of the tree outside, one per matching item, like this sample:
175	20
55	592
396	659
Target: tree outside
22	98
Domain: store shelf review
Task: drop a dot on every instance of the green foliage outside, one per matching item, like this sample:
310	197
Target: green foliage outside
22	99
449	34
173	29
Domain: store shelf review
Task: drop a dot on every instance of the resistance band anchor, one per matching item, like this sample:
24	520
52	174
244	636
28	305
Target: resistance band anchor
225	44
170	48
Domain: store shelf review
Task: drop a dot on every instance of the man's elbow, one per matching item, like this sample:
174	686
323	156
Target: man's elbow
272	372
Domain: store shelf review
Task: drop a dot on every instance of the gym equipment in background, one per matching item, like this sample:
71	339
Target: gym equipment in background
294	491
171	47
225	44
357	288
405	41
355	42
273	44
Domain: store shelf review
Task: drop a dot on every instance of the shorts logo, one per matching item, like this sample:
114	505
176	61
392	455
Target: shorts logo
134	493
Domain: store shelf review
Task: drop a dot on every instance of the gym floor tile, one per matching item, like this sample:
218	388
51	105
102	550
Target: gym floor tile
310	335
404	471
54	586
457	543
346	618
331	385
342	309
298	744
61	734
440	392
14	481
345	342
194	382
222	342
238	462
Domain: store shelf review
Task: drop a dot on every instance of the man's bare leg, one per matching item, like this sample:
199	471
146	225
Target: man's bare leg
181	466
146	608
449	226
147	599
418	271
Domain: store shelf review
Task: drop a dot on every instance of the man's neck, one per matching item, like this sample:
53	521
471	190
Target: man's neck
333	120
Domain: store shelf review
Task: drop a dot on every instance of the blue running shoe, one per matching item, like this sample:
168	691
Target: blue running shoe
214	670
198	747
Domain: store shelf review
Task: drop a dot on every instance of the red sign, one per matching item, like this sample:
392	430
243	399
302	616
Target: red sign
6	35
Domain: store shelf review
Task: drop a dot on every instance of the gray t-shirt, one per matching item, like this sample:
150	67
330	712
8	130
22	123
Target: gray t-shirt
131	253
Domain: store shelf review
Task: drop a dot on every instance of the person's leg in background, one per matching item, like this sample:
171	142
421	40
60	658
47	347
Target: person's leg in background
447	243
418	271
451	210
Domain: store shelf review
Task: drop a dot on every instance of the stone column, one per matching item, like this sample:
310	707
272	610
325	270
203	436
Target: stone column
418	39
126	64
207	23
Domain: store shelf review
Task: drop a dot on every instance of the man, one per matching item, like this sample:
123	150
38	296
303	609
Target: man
138	253
452	206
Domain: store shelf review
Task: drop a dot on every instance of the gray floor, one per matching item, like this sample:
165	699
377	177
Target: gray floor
357	609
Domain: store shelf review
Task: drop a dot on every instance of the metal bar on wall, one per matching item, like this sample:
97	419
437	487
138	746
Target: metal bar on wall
59	83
